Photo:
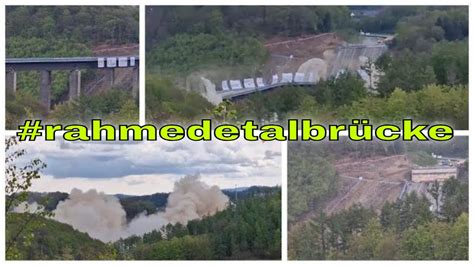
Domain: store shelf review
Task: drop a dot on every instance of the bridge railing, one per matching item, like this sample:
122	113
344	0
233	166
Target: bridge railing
70	63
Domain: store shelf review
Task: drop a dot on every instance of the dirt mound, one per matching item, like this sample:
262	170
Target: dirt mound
116	50
303	47
391	168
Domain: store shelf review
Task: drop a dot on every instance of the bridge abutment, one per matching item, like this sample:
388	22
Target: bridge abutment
45	88
10	82
74	84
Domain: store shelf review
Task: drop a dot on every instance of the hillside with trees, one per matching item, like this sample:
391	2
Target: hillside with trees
250	228
425	70
404	229
72	31
46	239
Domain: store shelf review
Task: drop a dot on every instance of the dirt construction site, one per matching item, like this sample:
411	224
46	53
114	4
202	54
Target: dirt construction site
287	53
370	182
324	54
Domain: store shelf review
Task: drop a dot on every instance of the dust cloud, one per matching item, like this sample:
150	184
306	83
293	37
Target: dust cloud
99	215
103	218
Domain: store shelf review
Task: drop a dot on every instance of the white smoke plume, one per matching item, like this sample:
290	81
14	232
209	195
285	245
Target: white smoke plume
192	199
99	215
103	218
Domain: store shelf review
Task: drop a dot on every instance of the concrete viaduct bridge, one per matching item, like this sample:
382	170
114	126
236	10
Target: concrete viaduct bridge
347	56
72	64
234	89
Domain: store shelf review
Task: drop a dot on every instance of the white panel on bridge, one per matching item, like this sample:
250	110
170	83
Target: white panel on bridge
312	78
274	79
123	62
132	61
299	77
286	77
260	83
235	84
225	85
249	84
100	62
111	61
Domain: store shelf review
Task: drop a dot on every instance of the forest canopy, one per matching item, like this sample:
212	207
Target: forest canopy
67	31
407	228
426	64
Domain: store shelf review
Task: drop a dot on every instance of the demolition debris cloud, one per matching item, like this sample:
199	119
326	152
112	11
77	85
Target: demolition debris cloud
103	217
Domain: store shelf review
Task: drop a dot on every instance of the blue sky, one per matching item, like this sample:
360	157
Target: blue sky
148	167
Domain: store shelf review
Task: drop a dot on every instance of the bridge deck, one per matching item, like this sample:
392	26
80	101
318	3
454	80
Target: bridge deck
59	63
230	94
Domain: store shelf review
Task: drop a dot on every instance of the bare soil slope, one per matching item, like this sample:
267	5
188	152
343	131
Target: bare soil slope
287	54
370	182
123	77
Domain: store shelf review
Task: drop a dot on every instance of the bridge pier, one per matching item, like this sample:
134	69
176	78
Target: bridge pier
45	88
110	76
74	84
45	66
135	82
10	82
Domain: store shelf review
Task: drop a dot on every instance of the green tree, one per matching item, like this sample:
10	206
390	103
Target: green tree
18	178
455	197
407	71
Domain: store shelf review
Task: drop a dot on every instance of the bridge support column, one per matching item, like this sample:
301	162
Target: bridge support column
110	76
10	82
45	88
74	84
135	82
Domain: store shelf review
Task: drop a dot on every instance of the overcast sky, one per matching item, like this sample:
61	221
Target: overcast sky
140	168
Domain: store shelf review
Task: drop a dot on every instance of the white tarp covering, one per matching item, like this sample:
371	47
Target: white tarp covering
100	62
286	77
299	77
274	79
132	61
225	85
235	84
260	83
249	84
123	62
111	61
